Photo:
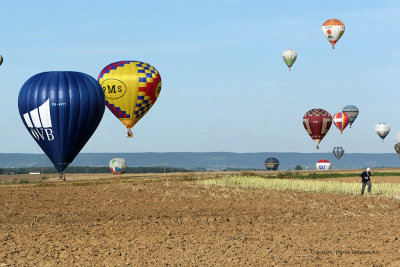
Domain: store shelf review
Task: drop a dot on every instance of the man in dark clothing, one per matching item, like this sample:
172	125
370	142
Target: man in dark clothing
366	180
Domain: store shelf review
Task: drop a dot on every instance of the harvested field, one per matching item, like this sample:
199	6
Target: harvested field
174	220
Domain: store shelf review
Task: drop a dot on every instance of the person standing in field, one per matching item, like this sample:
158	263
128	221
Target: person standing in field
366	180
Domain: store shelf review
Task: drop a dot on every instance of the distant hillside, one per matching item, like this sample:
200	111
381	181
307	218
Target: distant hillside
210	160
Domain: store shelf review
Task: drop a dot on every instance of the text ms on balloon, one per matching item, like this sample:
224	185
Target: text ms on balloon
113	89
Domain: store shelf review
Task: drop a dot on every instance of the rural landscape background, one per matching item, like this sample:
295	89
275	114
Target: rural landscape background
196	191
210	161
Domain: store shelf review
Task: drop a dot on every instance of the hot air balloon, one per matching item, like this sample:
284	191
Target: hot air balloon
352	111
323	165
338	151
131	88
333	29
1	60
61	110
317	123
271	164
289	56
397	148
341	120
398	138
382	129
118	166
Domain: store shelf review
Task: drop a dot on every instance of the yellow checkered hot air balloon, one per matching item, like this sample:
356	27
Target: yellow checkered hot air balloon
131	88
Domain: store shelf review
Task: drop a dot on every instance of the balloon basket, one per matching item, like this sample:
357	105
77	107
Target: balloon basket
129	134
61	177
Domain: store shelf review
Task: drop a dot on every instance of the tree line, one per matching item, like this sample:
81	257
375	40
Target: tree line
87	169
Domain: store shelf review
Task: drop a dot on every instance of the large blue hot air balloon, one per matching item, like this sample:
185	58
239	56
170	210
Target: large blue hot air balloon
338	151
61	110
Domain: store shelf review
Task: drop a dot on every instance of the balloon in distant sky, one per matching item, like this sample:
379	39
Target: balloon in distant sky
118	166
398	137
289	56
317	123
271	164
323	165
333	29
61	110
341	120
382	129
352	111
131	89
1	60
397	148
338	152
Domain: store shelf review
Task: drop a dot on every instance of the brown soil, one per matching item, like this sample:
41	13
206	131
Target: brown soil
155	221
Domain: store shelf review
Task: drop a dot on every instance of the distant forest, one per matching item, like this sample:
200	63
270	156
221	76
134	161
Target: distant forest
87	169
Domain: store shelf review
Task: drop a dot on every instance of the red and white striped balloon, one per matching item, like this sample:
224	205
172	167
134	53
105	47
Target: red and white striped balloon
341	120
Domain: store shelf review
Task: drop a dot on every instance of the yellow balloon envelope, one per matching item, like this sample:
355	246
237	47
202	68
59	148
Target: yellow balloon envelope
131	88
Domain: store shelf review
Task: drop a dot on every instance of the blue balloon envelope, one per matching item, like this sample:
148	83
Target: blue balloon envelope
61	110
338	152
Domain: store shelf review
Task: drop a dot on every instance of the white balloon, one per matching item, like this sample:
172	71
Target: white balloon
398	138
289	56
382	130
289	53
118	166
323	165
333	29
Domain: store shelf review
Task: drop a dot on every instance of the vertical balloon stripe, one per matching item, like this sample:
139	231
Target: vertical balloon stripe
306	123
28	120
324	129
44	112
35	118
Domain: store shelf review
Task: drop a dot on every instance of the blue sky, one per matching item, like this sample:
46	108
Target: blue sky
225	85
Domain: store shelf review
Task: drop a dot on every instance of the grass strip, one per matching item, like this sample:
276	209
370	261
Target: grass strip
391	190
315	175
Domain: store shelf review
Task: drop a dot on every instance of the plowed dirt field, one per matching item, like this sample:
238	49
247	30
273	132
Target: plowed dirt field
159	221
